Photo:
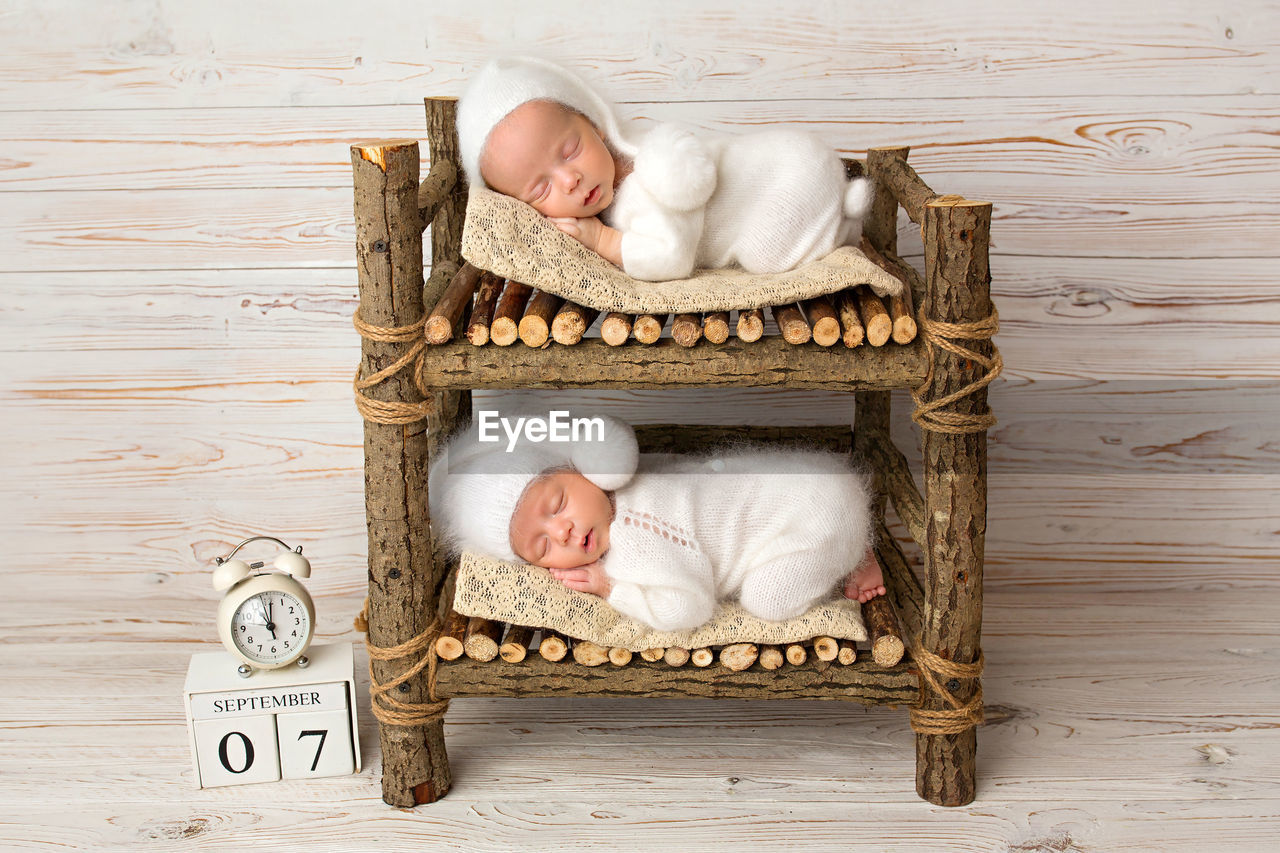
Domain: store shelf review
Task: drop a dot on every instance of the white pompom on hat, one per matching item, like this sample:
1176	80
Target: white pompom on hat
504	84
475	485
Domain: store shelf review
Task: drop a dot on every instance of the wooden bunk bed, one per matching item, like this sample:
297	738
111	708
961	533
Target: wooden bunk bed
427	344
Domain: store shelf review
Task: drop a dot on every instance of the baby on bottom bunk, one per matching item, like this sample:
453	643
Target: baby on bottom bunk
776	530
672	201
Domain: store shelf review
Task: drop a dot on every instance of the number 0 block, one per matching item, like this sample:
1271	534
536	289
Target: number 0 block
237	751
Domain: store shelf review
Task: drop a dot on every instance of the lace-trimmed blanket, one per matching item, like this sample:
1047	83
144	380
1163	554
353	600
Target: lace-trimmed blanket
510	239
527	595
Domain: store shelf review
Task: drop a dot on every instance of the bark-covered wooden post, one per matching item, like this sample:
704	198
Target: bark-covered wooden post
415	768
958	290
449	407
872	408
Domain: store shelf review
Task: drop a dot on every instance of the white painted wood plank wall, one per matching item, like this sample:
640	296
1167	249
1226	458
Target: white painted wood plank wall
175	224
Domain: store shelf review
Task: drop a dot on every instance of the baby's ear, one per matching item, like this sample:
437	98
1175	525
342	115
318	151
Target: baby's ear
676	168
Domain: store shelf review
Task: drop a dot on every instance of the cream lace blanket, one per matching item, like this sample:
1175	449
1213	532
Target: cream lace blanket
527	595
511	239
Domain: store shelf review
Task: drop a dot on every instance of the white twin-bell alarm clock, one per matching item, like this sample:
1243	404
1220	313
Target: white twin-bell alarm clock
266	618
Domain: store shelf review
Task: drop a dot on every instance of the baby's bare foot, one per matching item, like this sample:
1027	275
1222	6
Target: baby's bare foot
866	581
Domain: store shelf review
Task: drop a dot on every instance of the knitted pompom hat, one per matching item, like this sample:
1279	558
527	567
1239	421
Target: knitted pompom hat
478	479
504	84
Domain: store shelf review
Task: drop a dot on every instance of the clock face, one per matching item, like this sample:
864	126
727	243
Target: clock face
270	627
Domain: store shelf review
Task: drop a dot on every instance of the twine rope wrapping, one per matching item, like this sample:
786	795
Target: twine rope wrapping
389	710
940	335
392	412
961	716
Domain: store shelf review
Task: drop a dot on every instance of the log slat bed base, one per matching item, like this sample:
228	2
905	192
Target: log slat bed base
863	682
939	615
886	646
864	316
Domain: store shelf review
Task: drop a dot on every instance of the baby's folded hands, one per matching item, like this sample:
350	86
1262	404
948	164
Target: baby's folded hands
589	578
585	231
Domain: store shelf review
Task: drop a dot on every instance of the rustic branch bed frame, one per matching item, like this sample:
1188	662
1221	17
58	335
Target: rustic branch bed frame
413	394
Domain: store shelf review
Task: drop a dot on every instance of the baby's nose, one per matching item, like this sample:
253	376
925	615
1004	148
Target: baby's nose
564	528
570	179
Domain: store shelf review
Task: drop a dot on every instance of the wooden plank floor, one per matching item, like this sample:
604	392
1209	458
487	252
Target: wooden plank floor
1117	721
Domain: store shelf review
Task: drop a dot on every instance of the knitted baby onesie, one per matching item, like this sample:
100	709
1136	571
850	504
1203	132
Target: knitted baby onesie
776	530
767	202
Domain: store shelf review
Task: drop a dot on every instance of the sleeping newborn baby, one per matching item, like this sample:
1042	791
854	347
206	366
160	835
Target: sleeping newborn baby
675	201
776	530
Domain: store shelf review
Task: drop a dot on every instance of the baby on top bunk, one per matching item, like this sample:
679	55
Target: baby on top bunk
666	203
776	530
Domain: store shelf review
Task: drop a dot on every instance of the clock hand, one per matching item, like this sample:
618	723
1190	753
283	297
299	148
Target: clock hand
261	614
271	625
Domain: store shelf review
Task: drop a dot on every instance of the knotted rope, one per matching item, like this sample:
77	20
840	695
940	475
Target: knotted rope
393	412
940	335
389	710
961	716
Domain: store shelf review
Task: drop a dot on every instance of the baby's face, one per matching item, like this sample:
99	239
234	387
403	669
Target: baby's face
551	158
561	522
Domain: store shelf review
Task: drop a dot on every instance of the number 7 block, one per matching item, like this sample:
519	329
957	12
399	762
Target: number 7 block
315	744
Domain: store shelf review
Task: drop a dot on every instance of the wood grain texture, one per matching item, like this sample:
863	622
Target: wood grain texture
1132	141
1070	750
302	227
165	55
177	356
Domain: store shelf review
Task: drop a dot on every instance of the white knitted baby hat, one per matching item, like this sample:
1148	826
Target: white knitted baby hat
476	482
504	84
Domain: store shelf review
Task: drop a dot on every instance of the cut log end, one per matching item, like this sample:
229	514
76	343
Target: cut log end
750	325
887	650
715	327
686	329
904	330
648	328
553	647
534	331
771	657
676	656
504	332
825	648
739	656
848	652
589	654
615	328
375	151
449	648
516	645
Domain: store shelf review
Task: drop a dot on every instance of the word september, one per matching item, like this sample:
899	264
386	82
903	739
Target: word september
557	426
259	703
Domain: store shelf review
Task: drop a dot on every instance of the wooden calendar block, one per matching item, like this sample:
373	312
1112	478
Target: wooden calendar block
315	744
237	750
292	723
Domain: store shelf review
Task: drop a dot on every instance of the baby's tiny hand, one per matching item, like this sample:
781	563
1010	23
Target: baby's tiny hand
589	578
585	231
